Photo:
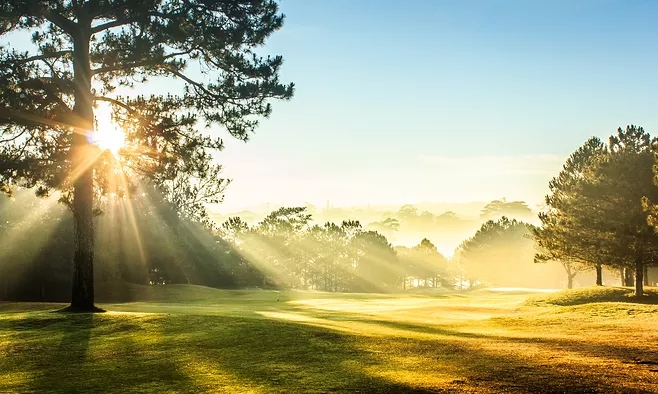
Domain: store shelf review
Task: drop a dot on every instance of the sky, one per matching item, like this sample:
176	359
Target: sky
411	101
427	100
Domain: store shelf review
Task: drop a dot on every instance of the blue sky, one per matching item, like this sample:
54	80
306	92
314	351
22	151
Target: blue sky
401	102
429	100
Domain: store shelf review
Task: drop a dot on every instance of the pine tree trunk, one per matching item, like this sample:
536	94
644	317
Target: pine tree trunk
622	275
639	277
628	277
599	275
83	119
570	281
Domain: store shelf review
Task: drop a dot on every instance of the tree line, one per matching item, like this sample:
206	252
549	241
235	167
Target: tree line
599	218
148	240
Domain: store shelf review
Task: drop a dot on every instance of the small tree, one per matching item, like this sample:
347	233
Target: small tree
85	52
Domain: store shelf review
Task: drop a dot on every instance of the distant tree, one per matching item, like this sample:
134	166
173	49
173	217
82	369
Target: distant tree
430	265
277	238
501	252
498	208
85	53
388	227
375	262
407	213
447	218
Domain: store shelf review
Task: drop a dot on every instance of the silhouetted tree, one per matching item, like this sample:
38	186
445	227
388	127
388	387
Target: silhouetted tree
85	53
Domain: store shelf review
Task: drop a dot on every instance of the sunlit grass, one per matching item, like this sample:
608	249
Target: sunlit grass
196	339
595	294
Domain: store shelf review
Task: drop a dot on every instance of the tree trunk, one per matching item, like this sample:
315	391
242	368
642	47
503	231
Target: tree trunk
83	159
639	277
628	277
622	275
570	281
599	275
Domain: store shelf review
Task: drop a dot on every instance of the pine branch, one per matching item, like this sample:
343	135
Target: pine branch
133	65
45	56
60	21
118	103
110	25
14	138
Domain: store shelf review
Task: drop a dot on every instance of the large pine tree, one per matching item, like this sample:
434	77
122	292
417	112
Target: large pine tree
88	52
566	233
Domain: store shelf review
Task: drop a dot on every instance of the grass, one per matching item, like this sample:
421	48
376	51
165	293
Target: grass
595	294
186	339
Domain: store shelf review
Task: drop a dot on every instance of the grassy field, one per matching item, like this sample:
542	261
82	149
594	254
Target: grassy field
185	339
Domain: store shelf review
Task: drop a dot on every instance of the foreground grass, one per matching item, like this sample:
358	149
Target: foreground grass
187	339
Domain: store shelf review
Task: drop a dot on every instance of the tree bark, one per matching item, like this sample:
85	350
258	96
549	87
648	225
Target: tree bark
570	281
599	275
639	277
628	277
622	275
82	298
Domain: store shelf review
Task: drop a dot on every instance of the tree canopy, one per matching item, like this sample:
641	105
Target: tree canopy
85	53
597	207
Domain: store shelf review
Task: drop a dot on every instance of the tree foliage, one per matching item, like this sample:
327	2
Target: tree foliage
598	206
85	53
501	252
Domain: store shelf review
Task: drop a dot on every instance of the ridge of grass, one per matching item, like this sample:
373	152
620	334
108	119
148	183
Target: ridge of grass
594	294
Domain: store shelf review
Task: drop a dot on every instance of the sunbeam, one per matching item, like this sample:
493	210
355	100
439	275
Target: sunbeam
129	209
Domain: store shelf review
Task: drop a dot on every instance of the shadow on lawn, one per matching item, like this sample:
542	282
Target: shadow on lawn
278	356
196	354
507	370
60	357
282	356
54	351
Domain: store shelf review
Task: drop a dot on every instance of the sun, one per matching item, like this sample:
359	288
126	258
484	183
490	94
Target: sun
109	137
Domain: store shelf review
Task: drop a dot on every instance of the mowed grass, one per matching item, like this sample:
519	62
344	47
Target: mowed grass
186	339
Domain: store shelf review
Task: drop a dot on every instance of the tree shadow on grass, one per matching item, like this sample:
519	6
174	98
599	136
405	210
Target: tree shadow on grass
46	347
279	357
581	346
87	353
646	354
516	371
194	353
283	356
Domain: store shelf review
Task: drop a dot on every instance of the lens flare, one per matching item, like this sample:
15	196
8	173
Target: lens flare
109	138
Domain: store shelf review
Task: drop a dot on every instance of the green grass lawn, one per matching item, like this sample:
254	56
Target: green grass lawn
186	339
